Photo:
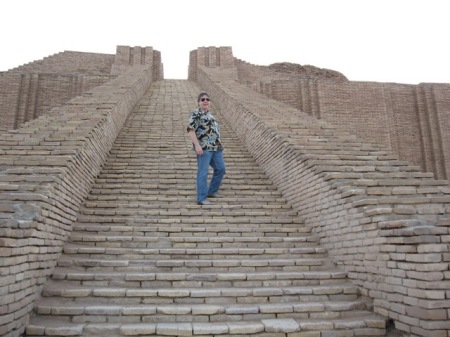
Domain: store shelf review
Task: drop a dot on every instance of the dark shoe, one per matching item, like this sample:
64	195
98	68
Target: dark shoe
204	202
214	195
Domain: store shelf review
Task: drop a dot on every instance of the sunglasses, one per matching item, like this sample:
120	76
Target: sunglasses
205	99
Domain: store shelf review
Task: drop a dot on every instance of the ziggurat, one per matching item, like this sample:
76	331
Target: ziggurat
334	219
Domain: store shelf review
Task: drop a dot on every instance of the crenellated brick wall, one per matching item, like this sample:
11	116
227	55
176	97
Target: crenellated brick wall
211	57
47	167
127	57
381	218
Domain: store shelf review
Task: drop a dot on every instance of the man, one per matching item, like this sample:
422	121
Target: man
204	133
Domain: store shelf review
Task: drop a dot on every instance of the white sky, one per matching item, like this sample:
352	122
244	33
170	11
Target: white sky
402	41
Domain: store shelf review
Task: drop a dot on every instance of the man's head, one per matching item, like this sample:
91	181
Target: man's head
203	101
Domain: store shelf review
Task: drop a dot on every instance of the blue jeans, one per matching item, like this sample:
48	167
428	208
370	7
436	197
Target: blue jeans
215	160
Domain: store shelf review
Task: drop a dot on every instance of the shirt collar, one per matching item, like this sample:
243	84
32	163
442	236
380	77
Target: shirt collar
200	110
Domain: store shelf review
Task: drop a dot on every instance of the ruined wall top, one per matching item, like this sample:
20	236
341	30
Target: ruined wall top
70	62
223	58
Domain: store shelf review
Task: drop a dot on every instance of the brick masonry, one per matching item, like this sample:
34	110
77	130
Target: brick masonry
386	222
381	218
412	121
47	168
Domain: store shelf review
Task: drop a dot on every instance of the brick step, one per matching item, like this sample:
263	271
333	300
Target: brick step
124	240
144	176
153	244
149	171
274	207
218	209
225	212
161	179
152	195
203	265
92	311
180	218
194	253
195	227
159	188
262	295
175	160
155	187
207	280
164	177
368	325
175	229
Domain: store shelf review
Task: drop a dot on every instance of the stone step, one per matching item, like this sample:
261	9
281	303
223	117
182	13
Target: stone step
126	241
176	214
238	195
368	325
244	199
160	181
187	280
343	291
92	311
196	227
203	265
193	253
198	223
134	206
141	176
212	221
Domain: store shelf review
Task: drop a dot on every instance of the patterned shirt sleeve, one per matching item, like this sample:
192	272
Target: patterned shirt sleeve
193	121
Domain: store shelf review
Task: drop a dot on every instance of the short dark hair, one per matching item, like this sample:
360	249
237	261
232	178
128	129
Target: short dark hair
203	93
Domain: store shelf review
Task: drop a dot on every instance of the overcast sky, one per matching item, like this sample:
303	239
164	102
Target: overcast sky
402	41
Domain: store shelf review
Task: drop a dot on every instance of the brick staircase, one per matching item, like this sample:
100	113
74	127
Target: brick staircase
145	260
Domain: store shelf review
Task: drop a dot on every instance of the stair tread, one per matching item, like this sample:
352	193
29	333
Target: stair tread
55	289
56	326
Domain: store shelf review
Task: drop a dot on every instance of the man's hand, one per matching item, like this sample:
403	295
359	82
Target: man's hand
198	150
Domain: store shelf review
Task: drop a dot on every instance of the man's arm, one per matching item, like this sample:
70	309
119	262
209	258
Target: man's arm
194	140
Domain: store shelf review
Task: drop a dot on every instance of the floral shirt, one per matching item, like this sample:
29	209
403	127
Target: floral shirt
206	129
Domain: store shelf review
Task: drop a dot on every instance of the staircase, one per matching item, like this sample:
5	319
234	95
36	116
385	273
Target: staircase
145	260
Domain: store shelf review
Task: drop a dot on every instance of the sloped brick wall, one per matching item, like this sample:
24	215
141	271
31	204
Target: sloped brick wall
410	120
25	96
70	62
380	218
31	90
46	170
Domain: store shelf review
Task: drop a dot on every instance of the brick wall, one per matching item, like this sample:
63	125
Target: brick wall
127	57
26	96
410	120
46	170
70	62
211	57
382	219
31	90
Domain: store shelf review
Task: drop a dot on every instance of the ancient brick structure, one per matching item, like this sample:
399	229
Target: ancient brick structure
363	165
28	91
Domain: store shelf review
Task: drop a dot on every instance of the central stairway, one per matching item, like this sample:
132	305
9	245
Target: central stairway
145	260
